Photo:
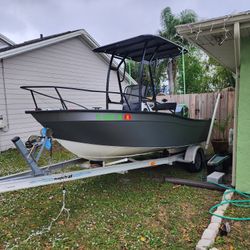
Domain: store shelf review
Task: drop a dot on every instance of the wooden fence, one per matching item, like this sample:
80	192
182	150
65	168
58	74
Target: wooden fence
201	106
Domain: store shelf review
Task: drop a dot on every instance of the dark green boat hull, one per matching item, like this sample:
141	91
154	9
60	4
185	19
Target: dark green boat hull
122	129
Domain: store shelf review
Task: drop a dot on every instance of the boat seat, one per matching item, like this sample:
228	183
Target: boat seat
170	106
132	97
134	106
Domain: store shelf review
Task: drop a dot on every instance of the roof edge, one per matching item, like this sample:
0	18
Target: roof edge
42	43
6	39
227	20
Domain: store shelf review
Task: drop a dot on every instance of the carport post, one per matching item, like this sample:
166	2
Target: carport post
236	99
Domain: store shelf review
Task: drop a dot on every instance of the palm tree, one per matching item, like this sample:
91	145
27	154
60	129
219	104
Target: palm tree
168	23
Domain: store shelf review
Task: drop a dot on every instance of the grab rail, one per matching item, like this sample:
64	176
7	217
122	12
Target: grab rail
64	101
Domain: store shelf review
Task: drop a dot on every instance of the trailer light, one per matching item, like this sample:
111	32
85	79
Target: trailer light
127	117
152	163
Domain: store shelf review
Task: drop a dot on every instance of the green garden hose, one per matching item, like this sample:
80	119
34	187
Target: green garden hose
237	203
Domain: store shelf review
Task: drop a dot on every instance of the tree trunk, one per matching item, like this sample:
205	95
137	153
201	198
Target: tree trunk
170	77
172	71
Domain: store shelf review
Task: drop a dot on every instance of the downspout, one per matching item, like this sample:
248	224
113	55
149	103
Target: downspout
212	121
236	101
6	128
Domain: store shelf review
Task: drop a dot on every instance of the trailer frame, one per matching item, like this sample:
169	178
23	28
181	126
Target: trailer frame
41	176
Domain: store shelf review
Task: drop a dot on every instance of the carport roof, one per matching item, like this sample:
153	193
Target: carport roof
217	36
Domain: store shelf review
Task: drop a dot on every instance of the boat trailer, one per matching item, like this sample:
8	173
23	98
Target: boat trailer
41	176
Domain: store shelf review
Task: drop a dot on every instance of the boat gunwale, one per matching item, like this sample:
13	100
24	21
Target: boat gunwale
115	111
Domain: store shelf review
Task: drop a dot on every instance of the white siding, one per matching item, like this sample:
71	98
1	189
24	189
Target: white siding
69	63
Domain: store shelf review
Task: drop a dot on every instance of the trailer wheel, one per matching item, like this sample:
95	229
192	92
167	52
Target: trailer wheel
199	162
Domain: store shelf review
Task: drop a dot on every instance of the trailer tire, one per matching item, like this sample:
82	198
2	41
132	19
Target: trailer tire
199	162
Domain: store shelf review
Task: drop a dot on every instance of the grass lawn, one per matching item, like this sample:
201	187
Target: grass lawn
132	211
239	238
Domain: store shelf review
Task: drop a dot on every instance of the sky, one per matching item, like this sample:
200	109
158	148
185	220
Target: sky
105	20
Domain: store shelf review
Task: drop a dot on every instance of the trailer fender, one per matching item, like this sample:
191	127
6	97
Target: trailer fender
191	153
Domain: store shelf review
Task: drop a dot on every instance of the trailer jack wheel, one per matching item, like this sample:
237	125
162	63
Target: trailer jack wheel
199	162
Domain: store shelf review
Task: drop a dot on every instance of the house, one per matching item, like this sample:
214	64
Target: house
64	59
227	39
5	42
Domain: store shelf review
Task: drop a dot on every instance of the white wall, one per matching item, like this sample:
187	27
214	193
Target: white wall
69	63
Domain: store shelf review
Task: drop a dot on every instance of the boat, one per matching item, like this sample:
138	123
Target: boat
141	126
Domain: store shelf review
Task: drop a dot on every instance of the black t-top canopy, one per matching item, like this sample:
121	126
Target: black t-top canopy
156	47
